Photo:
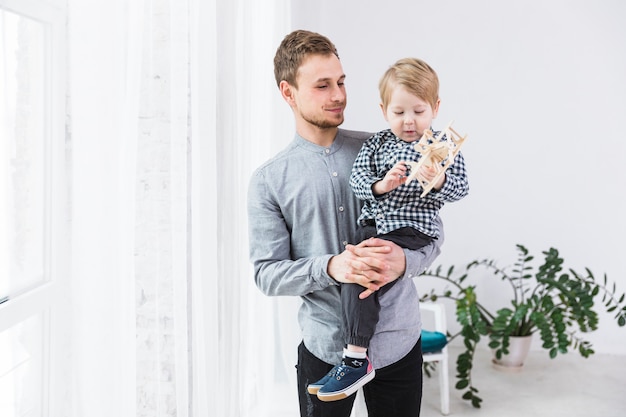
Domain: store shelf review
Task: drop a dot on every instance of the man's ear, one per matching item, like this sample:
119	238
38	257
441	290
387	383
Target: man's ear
286	90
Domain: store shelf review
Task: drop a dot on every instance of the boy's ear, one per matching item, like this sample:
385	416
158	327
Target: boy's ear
384	111
436	108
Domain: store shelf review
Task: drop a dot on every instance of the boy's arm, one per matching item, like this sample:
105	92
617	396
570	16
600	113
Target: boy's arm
363	175
456	184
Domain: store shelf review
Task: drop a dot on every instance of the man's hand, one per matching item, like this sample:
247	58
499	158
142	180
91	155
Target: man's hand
371	264
348	269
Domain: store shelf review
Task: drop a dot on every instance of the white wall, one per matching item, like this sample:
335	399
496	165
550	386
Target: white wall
539	88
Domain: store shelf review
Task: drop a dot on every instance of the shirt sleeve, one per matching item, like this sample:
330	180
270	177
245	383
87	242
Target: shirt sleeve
456	185
417	261
364	173
275	272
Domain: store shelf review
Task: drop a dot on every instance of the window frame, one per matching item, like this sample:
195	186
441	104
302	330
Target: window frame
50	298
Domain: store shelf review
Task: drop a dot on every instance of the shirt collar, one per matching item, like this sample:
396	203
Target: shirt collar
312	147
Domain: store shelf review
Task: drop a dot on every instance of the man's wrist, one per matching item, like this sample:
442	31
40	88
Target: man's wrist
331	270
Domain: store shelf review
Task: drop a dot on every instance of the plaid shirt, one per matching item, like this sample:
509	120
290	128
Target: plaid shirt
403	206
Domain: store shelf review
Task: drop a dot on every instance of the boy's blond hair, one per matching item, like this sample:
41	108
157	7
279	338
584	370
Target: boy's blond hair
413	74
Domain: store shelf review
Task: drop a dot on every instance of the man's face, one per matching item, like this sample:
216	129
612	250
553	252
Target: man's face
320	98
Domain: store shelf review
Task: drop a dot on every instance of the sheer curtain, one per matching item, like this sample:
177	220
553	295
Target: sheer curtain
103	100
238	121
128	126
171	106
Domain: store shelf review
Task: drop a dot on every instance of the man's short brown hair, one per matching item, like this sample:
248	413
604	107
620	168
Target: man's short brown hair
293	50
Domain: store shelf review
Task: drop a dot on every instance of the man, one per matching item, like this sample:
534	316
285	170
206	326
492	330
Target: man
303	231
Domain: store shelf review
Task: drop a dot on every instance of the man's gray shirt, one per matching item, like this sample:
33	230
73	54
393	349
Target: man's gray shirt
301	212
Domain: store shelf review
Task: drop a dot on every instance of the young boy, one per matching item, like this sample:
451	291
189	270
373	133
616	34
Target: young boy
393	210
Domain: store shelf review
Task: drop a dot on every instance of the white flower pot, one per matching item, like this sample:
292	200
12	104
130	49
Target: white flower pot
518	351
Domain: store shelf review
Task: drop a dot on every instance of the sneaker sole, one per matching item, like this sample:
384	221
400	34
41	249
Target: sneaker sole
335	396
313	390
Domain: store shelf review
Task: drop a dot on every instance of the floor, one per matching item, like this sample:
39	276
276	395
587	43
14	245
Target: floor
567	386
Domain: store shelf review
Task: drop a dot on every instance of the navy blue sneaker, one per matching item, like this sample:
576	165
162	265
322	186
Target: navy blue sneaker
315	387
346	381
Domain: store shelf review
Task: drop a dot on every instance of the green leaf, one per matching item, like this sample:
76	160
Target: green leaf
546	297
462	384
476	401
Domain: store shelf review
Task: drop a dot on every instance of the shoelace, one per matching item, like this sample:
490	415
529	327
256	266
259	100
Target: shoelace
340	371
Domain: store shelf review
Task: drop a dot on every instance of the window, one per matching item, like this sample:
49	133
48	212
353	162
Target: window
33	259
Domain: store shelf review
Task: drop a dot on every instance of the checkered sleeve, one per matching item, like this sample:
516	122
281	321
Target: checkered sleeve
364	171
456	185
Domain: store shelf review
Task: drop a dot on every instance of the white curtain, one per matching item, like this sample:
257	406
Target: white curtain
129	121
172	104
238	121
102	136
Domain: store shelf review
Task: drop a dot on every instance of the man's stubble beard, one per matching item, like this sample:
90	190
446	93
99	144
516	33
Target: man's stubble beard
323	123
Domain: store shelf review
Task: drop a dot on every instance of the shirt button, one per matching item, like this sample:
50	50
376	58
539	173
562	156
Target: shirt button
344	243
334	174
327	150
340	208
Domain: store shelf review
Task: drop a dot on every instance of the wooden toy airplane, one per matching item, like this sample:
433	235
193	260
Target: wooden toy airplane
434	153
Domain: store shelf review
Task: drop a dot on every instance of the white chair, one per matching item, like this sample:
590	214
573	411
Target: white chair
435	352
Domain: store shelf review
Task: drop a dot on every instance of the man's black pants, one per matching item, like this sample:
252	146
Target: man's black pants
396	391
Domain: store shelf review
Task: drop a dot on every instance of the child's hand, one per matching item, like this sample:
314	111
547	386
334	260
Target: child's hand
428	173
394	178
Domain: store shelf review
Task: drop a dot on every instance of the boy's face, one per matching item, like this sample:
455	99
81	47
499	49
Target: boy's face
408	115
320	98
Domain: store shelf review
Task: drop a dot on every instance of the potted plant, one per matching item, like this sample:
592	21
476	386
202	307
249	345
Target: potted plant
558	305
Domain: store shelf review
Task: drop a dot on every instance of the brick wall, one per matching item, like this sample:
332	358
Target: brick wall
161	212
